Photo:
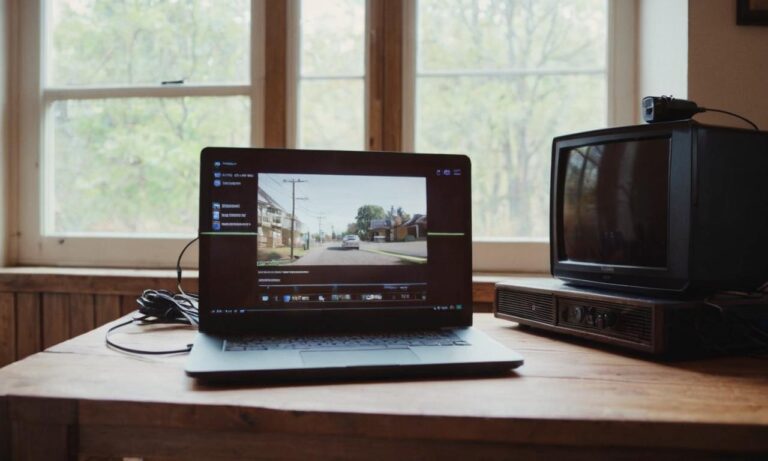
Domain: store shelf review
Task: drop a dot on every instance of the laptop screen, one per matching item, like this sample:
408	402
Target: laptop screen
286	232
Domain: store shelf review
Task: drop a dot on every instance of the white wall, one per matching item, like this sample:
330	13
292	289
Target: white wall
662	48
727	64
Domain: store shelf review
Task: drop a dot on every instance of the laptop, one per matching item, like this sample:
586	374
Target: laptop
336	264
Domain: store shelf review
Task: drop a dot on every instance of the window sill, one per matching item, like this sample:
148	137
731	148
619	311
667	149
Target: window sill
134	281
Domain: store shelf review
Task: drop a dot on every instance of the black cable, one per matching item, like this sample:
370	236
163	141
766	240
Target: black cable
178	265
731	332
162	307
706	109
139	351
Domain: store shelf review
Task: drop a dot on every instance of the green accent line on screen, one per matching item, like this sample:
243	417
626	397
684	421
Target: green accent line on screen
446	234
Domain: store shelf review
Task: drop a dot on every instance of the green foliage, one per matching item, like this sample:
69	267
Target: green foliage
500	79
496	79
331	114
132	164
149	41
365	214
331	111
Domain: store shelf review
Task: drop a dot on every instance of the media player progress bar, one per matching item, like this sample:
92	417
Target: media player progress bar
250	234
446	234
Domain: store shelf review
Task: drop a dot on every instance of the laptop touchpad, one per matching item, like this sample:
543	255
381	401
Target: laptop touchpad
358	357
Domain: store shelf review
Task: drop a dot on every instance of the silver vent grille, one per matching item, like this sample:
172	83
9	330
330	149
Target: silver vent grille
524	305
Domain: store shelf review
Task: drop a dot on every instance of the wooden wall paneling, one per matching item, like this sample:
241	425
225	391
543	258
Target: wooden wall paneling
275	67
107	308
56	325
484	292
28	325
91	281
7	328
43	429
82	317
5	429
128	304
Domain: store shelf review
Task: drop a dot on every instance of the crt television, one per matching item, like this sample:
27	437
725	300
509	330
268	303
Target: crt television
669	208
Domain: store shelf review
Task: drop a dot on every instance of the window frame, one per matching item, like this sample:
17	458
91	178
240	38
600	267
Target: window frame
531	255
114	250
390	77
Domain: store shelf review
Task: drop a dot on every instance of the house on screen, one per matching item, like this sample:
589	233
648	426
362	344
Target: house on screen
395	230
274	223
414	228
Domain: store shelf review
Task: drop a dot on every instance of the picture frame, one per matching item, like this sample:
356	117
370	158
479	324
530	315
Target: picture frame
752	12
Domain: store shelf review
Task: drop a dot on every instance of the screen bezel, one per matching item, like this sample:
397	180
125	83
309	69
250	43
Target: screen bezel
332	162
674	276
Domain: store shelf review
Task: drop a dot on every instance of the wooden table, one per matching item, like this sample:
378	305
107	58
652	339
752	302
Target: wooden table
569	399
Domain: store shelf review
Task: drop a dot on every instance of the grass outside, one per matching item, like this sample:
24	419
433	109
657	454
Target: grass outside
406	258
276	256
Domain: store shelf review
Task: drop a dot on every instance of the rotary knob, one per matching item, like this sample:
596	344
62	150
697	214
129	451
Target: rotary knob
577	314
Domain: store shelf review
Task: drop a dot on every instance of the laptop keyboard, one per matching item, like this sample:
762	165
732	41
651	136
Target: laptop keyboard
356	341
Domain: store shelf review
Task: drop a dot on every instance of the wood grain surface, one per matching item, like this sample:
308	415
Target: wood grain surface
41	306
5	429
90	281
56	322
385	75
107	308
275	65
28	325
82	317
568	399
7	328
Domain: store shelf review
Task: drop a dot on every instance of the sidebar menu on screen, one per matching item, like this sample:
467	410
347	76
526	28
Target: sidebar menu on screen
233	231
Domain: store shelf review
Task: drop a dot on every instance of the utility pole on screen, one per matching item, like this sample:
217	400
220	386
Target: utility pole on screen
320	228
293	206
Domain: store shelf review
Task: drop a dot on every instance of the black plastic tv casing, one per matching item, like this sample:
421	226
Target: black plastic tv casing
717	236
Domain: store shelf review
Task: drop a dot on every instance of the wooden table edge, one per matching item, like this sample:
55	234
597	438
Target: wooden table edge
97	418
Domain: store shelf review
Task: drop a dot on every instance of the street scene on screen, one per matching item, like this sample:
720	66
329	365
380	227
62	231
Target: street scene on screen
316	220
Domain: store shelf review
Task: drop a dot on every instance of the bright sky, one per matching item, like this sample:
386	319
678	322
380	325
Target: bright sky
336	198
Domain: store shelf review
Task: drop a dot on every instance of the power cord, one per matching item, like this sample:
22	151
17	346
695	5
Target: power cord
707	109
161	307
736	324
666	109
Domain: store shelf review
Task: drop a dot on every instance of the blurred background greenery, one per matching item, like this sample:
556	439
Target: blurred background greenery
495	79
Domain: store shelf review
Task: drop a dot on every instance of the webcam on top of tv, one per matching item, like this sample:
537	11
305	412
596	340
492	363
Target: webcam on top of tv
667	109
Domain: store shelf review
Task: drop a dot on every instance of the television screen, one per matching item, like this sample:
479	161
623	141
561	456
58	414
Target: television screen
615	203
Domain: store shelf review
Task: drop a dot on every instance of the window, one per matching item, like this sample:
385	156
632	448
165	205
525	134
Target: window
498	80
129	93
118	98
332	75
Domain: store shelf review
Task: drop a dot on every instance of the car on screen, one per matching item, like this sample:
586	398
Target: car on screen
351	241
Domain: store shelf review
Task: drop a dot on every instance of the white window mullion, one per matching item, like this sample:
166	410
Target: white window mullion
258	73
30	190
293	65
167	91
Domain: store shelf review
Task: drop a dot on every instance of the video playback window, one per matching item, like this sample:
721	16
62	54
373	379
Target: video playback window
341	220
